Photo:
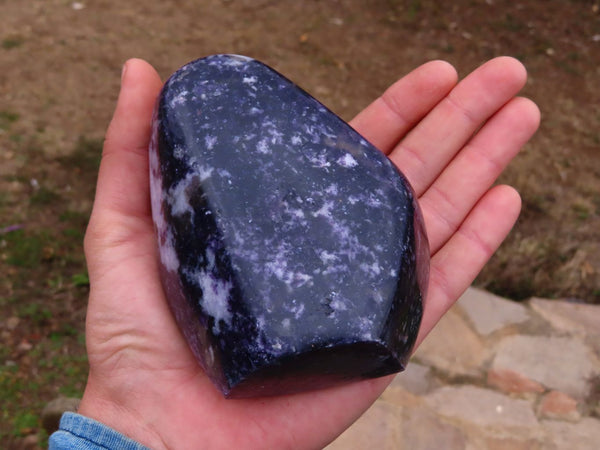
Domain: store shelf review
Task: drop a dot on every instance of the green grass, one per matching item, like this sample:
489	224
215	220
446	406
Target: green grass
24	423
12	389
512	24
63	374
43	196
6	301
581	211
12	42
74	233
7	118
80	279
26	249
5	198
85	156
34	311
413	9
74	217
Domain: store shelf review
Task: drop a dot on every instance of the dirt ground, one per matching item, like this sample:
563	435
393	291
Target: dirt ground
60	64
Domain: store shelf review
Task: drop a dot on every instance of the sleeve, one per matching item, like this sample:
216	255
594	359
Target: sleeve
77	432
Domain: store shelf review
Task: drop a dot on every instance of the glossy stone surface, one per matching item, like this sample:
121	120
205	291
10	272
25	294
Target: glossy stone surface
292	252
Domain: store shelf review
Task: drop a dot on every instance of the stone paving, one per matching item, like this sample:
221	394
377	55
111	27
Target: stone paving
494	374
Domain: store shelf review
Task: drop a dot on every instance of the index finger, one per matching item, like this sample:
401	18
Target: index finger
385	121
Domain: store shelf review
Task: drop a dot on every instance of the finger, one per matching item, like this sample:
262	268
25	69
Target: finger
430	146
456	264
121	209
123	176
450	198
385	121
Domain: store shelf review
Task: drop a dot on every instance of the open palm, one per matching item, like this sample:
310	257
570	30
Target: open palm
450	140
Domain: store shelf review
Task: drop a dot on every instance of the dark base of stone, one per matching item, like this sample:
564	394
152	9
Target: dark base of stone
318	370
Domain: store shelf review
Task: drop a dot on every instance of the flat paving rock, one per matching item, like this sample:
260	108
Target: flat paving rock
572	318
424	430
562	363
488	312
380	428
416	379
568	316
482	407
584	435
401	397
512	382
453	347
558	405
504	443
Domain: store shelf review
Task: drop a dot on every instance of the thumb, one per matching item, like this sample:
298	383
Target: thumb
123	178
122	204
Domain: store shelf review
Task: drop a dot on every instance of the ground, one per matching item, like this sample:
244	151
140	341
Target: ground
60	63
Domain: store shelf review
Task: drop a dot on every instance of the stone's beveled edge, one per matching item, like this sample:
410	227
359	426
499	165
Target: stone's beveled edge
422	247
376	360
170	261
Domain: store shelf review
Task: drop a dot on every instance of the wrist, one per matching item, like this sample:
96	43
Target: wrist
112	410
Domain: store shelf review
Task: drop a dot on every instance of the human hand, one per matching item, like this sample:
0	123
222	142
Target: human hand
145	382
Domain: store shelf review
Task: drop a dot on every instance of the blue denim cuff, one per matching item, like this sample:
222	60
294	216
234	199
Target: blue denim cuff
77	432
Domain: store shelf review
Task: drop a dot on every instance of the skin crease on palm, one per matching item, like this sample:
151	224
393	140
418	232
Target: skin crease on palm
144	381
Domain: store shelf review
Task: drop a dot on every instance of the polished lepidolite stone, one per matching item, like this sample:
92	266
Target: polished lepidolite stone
292	252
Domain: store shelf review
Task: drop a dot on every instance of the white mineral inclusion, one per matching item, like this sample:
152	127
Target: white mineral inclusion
327	257
178	196
215	297
179	99
210	141
263	147
366	326
319	161
347	161
373	269
325	210
166	249
278	267
215	291
332	189
298	311
167	253
179	200
338	304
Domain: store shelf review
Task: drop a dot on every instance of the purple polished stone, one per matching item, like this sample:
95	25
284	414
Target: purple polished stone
293	253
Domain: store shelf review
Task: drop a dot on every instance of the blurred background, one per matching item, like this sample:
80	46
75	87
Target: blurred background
60	64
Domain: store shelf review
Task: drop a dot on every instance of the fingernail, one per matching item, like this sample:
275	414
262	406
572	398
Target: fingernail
123	71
